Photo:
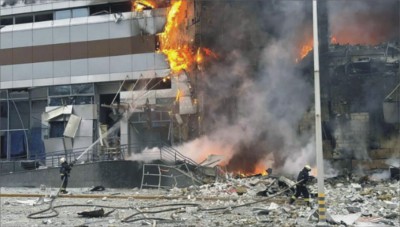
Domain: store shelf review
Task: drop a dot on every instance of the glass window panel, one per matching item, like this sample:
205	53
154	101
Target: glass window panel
43	17
56	129
81	100
19	114
19	94
3	115
121	7
82	89
62	14
99	9
3	94
55	102
60	101
6	21
60	90
24	19
81	12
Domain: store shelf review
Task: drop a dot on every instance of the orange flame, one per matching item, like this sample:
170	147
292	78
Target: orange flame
306	48
260	168
175	44
179	55
178	95
140	5
334	40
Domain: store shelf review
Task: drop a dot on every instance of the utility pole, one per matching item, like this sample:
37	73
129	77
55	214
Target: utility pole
318	126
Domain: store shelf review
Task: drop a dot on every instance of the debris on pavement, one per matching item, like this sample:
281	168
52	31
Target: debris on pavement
256	200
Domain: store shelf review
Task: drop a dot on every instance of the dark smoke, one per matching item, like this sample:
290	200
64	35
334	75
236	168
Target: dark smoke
255	96
364	21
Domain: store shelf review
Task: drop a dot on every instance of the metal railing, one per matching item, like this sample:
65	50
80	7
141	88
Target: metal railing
164	151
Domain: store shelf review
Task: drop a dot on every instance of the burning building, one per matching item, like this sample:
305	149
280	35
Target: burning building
116	76
77	72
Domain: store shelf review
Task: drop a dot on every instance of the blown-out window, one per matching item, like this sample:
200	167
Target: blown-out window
75	94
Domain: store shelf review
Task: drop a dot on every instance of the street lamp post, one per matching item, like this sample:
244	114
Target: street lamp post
318	127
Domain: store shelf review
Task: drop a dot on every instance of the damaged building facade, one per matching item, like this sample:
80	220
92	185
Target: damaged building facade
76	72
361	106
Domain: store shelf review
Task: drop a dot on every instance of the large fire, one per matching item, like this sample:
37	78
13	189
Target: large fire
140	5
174	43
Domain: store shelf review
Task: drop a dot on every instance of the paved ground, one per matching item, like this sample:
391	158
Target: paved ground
361	205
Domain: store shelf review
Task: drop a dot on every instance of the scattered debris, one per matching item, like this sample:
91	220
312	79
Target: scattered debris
92	214
98	189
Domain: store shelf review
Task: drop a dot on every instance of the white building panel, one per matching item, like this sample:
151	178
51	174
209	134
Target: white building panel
78	21
43	25
121	29
81	143
87	112
79	80
61	68
79	67
6	40
42	7
62	80
6	73
150	61
98	31
23	83
120	76
99	78
7	84
22	72
42	36
147	24
160	61
99	65
61	34
85	129
22	38
44	82
42	70
120	64
79	33
139	62
24	8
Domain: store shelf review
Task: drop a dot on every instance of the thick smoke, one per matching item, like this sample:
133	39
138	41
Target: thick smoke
364	21
255	96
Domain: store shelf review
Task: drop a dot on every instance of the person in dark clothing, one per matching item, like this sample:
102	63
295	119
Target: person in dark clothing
65	169
301	188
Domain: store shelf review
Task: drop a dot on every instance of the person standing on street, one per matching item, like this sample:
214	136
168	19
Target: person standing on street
65	170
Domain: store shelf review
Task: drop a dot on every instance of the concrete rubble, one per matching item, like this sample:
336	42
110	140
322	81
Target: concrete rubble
234	202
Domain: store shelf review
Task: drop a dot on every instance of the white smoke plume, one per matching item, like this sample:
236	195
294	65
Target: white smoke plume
383	175
256	98
147	155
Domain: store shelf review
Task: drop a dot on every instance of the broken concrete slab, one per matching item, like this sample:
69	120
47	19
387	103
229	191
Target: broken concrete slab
348	219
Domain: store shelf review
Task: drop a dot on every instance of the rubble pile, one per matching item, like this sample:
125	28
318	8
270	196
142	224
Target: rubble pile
379	201
256	201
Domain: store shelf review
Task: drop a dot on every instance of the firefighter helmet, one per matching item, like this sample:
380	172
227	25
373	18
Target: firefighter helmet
62	160
308	167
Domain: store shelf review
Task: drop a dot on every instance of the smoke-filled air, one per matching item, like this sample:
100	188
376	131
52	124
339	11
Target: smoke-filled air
255	95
